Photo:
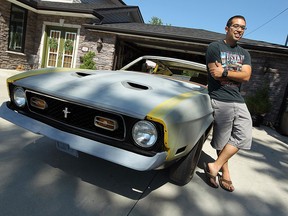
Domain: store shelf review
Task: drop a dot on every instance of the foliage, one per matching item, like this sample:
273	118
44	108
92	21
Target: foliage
88	62
155	21
53	43
68	45
258	103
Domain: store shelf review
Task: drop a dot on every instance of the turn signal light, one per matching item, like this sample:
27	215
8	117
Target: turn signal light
38	103
105	123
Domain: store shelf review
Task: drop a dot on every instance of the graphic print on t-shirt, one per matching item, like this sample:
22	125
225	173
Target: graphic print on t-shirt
232	62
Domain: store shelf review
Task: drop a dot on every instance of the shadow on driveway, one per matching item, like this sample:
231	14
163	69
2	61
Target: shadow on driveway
112	177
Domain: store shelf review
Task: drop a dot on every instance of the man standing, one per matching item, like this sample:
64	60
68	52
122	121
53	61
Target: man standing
228	66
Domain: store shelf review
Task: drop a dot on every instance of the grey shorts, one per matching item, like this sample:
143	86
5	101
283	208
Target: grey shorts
232	124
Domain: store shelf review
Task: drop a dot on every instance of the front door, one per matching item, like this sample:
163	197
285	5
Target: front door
60	46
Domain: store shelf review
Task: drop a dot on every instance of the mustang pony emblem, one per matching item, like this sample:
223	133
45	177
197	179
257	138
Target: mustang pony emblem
66	112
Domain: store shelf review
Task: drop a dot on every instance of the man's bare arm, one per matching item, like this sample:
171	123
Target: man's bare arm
216	71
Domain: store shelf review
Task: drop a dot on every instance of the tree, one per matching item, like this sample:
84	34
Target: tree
155	21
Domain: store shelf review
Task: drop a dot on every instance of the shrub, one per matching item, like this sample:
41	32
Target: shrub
88	62
258	103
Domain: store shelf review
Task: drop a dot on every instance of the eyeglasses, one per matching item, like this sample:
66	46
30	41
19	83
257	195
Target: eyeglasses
237	27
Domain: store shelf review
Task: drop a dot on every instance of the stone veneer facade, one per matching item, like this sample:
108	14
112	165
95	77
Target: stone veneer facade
12	60
271	68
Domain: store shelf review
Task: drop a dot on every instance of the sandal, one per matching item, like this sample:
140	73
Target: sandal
211	178
228	186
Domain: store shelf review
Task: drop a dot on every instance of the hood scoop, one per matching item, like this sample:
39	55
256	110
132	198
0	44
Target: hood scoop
135	86
82	74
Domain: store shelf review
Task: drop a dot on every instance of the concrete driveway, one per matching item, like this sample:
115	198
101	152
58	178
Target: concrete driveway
36	180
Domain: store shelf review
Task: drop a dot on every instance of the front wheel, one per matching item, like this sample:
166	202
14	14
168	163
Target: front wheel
183	170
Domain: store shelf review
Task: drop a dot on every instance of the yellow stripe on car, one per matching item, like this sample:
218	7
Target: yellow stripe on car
35	72
159	113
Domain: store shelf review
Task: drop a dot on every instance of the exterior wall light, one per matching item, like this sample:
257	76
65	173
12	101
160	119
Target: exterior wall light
99	44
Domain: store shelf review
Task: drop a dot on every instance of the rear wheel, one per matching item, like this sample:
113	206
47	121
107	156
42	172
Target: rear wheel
183	170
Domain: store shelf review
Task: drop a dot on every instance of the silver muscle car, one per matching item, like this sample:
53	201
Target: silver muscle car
153	113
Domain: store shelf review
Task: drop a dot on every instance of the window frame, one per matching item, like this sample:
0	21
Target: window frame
13	25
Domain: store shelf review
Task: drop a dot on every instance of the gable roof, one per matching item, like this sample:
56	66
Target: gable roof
80	4
85	9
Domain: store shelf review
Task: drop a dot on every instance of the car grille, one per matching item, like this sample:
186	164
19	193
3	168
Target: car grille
75	115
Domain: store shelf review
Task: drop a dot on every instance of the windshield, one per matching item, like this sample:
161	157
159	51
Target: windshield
176	68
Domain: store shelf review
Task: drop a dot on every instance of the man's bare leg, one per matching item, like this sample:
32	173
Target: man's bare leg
225	169
222	161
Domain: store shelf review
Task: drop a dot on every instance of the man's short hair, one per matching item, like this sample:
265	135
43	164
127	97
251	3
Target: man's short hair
229	22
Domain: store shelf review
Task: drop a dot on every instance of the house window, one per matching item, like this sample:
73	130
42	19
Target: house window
17	29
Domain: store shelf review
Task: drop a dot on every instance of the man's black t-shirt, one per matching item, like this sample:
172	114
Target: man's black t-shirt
231	58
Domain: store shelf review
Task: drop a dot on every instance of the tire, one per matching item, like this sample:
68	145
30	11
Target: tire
183	170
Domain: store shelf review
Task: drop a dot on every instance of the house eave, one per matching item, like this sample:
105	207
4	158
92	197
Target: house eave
54	12
146	34
249	44
134	10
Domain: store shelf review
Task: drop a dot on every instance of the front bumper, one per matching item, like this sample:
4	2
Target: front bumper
82	144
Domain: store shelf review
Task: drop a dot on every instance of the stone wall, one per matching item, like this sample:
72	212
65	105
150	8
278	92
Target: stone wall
273	69
4	19
12	60
87	39
104	57
7	59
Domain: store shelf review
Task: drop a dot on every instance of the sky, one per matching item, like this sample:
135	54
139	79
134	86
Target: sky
267	20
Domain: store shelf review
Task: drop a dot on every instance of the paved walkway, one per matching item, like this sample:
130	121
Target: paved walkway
8	72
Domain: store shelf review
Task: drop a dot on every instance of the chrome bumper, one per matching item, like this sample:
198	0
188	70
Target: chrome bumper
97	149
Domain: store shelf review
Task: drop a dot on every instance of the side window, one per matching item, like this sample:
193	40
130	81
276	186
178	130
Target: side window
17	29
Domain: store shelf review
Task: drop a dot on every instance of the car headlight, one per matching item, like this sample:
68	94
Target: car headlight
19	97
144	134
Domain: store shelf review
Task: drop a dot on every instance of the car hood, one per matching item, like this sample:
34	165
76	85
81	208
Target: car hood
126	92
